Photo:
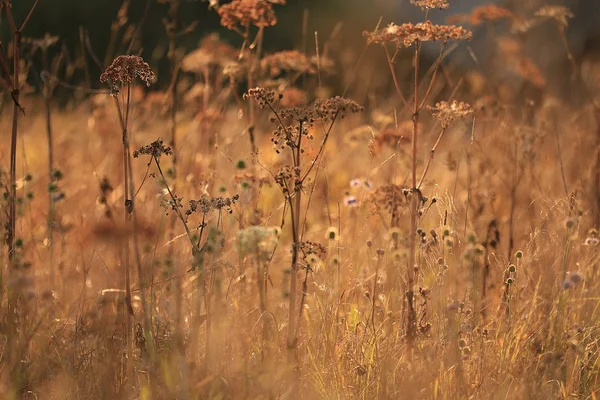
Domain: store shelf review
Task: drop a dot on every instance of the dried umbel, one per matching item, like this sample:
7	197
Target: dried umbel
287	61
212	52
124	70
207	204
447	112
243	13
559	13
154	149
263	96
407	34
428	4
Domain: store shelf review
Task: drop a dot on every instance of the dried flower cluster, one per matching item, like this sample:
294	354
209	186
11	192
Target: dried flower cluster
479	15
212	52
407	34
154	149
287	61
243	13
559	13
207	204
261	95
429	4
447	112
124	70
285	176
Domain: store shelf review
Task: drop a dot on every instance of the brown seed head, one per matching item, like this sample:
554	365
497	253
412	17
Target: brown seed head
124	70
243	13
447	112
287	61
407	34
428	4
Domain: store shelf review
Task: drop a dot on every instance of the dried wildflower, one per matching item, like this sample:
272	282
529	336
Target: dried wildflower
481	14
261	95
154	149
559	13
233	70
243	13
287	61
428	4
309	248
591	241
124	70
212	52
408	33
447	112
336	106
207	204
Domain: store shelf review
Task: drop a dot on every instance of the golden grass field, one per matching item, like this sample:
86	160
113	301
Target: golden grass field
200	240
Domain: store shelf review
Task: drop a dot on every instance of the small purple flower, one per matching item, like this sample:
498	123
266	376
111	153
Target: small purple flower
567	284
350	201
576	277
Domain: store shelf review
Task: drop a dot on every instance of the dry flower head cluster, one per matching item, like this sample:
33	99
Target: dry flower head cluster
407	34
447	112
244	13
430	4
124	70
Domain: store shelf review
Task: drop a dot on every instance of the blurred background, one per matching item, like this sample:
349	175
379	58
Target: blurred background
88	27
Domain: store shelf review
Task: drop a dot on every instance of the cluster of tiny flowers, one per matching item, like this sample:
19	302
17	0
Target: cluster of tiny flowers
243	13
428	4
336	106
261	95
207	204
287	61
447	112
154	149
408	33
124	70
560	13
308	248
284	177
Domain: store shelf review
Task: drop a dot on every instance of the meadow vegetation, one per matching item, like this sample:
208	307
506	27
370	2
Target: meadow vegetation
310	223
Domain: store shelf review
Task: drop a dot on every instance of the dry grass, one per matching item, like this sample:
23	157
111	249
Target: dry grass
293	253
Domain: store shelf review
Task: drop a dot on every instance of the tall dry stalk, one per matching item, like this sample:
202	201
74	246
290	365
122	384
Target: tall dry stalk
415	35
121	76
